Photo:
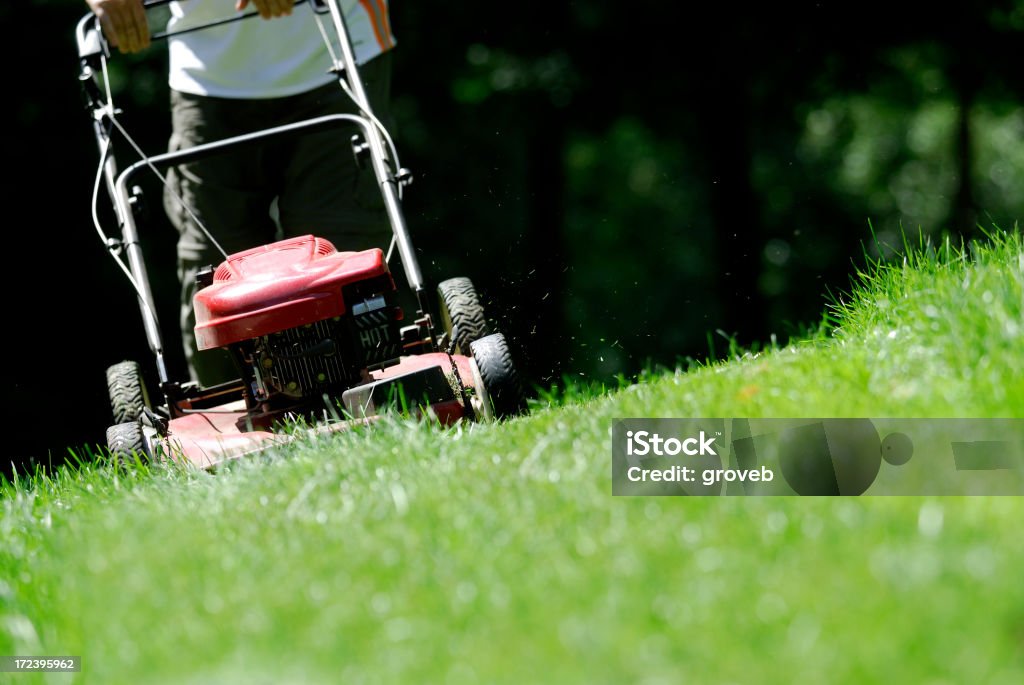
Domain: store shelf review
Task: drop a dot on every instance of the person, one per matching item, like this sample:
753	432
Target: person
251	75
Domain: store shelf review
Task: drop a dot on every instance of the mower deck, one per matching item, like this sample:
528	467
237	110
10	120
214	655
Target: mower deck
210	438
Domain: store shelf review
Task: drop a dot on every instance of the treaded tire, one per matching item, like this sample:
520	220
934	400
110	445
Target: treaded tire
126	444
499	375
127	390
461	311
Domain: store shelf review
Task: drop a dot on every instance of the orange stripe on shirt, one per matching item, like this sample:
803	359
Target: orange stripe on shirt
385	19
371	12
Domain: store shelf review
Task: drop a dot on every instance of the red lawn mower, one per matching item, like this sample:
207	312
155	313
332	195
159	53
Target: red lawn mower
316	332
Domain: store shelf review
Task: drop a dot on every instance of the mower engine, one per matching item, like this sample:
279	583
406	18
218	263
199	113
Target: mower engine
302	320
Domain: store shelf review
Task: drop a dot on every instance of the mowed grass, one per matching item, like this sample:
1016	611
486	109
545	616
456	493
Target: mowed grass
496	553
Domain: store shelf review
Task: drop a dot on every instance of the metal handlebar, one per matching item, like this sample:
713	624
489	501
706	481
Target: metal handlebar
92	43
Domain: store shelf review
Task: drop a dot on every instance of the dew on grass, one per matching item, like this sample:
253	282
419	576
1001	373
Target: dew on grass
399	497
380	604
399	629
465	592
803	633
980	562
21	630
213	603
585	546
254	621
317	593
848	513
776	522
128	652
770	607
708	559
499	595
930	519
690	534
572	631
96	563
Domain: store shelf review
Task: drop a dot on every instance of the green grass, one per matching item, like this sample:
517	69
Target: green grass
496	553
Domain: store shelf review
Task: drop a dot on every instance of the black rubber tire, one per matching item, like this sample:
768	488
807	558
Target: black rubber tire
127	390
501	380
126	444
461	311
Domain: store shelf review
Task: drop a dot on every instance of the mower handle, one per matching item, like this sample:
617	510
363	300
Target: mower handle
157	3
92	43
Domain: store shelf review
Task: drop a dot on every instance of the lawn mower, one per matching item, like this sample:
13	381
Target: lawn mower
315	331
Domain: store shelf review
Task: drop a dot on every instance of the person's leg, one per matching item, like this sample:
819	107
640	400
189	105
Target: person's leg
229	194
323	191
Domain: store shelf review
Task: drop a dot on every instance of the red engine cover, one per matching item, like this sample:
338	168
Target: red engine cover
278	286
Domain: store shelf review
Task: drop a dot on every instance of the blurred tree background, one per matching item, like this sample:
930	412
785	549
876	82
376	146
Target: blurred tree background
623	186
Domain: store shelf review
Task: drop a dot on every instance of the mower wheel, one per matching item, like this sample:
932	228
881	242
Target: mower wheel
502	390
126	444
128	397
462	312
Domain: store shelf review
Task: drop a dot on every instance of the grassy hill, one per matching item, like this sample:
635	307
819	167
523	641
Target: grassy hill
496	553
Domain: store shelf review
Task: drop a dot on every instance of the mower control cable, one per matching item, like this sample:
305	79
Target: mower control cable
338	69
167	186
220	22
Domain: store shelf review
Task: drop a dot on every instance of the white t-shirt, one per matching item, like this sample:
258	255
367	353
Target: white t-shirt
257	58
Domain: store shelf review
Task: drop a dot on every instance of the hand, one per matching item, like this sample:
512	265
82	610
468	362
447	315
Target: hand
268	8
123	22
